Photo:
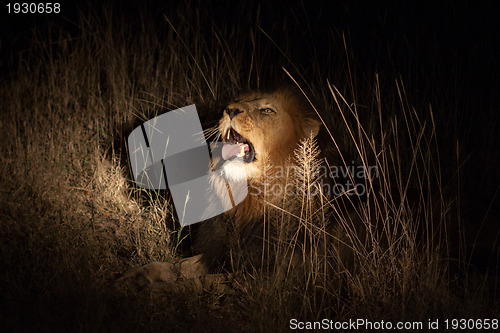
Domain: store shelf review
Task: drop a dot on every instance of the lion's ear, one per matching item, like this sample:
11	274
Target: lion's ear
309	126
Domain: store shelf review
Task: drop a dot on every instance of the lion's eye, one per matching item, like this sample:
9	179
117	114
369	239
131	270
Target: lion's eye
267	111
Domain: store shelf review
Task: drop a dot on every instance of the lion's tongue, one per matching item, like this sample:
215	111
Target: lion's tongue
230	149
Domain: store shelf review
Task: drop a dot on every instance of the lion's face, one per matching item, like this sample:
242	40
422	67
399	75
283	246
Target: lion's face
263	128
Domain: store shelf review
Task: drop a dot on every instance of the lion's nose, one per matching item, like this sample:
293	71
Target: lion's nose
232	112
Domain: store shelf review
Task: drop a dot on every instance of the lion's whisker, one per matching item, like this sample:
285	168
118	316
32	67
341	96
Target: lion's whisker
210	132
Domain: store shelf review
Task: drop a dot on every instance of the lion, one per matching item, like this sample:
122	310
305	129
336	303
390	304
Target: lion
260	132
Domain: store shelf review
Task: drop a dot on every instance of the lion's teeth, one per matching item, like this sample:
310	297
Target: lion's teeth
228	134
242	151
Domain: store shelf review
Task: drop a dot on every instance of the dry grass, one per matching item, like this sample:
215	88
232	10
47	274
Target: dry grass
72	221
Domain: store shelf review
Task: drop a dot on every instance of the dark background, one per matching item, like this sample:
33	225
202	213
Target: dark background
410	38
452	46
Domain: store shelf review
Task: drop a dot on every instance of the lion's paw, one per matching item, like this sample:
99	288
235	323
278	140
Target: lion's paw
182	275
151	273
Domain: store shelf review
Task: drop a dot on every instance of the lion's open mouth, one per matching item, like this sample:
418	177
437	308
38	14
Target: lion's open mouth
235	145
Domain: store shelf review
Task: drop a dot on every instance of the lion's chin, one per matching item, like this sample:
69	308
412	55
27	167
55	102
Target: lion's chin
239	171
234	171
